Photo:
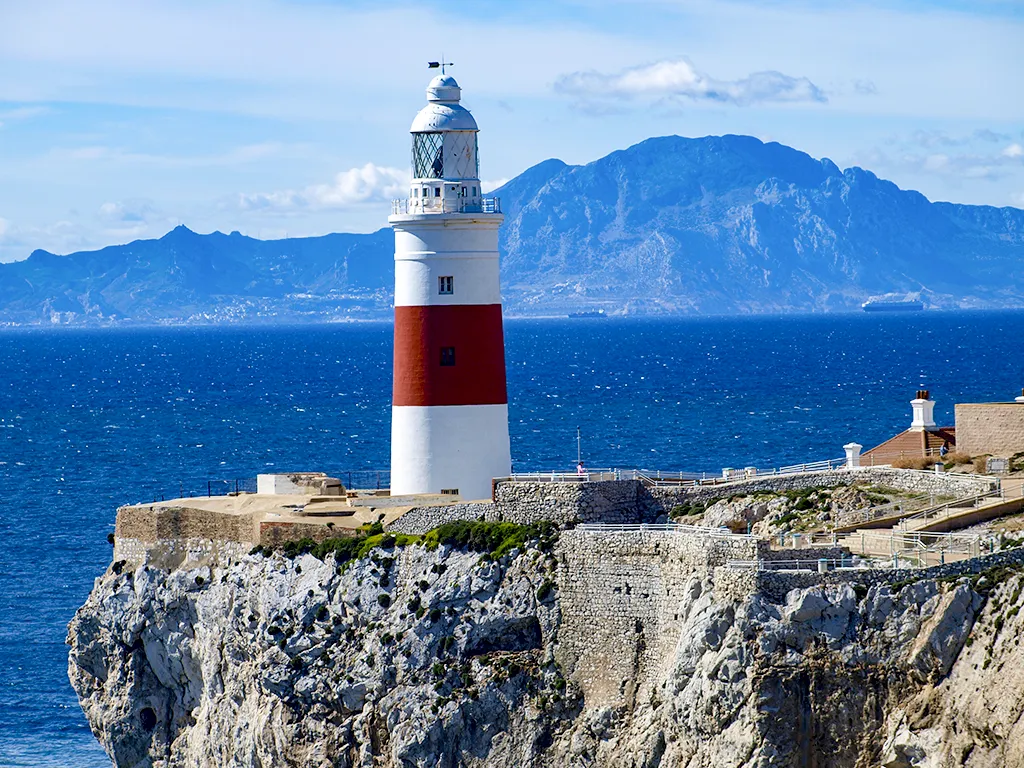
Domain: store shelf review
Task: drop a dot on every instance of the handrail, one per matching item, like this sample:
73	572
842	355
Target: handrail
403	206
852	563
700	530
943	511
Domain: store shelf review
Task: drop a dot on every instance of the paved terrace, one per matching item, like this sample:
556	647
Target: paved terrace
238	522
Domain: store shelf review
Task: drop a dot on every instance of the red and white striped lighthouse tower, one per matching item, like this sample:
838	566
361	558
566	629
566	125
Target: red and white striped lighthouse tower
449	416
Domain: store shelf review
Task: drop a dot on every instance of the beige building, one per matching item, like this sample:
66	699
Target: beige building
996	429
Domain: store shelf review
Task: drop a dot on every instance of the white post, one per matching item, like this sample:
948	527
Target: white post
852	455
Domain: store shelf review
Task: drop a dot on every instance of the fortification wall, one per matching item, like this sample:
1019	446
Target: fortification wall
776	584
619	598
608	501
630	501
422	519
995	428
155	522
946	484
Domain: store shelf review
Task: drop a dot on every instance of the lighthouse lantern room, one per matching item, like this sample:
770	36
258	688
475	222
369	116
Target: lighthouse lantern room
449	418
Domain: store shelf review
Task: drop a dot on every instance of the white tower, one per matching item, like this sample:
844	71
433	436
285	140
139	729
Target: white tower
449	416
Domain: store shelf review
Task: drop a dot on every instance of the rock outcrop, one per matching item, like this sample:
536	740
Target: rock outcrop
412	657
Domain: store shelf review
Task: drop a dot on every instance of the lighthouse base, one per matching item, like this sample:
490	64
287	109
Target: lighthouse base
446	448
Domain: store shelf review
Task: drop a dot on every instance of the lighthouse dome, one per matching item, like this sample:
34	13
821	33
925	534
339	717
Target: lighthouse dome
443	111
443	88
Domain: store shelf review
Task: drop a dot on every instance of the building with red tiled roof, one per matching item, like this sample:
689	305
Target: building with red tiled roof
923	438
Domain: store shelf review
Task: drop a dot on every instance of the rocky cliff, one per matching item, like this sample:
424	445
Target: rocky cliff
419	657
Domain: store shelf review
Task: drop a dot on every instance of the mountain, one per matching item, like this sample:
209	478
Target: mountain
721	224
187	277
728	224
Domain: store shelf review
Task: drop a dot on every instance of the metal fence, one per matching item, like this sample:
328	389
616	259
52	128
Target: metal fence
661	478
699	530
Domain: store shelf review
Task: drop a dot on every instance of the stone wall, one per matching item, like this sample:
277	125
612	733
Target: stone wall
619	594
273	534
995	428
947	484
422	519
630	501
154	522
607	501
776	584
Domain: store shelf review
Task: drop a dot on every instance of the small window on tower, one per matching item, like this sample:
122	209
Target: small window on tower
474	191
416	192
447	355
446	285
463	191
437	191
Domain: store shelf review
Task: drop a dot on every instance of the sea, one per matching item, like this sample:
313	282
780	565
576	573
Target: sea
93	419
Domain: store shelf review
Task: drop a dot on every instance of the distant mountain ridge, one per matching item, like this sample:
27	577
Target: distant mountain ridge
721	224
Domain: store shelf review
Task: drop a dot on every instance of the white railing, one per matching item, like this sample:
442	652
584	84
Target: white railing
852	563
915	545
699	530
587	476
728	475
953	508
415	205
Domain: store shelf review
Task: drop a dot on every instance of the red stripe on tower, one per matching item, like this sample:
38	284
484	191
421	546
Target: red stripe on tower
449	355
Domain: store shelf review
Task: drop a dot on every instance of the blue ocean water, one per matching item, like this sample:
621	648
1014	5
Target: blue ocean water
90	420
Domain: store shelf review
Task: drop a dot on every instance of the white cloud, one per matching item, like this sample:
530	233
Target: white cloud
360	185
4	226
679	79
130	212
1012	151
369	183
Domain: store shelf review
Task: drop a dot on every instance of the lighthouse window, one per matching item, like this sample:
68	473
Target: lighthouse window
446	285
447	355
437	191
427	159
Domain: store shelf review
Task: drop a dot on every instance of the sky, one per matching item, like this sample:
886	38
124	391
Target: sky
120	119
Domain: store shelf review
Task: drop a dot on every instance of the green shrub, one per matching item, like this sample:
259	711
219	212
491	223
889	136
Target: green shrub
435	614
494	539
384	600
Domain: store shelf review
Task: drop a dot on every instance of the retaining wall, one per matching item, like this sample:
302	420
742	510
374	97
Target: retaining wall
630	501
422	519
619	596
776	584
157	522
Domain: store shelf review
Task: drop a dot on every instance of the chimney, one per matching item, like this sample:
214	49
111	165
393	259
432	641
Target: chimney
923	406
1021	398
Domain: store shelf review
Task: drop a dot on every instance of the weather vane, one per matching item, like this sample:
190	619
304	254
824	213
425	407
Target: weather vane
440	64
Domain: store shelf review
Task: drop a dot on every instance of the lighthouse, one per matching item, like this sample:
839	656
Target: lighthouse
449	415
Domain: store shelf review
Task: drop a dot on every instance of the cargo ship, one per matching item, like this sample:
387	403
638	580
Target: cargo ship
892	305
590	314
